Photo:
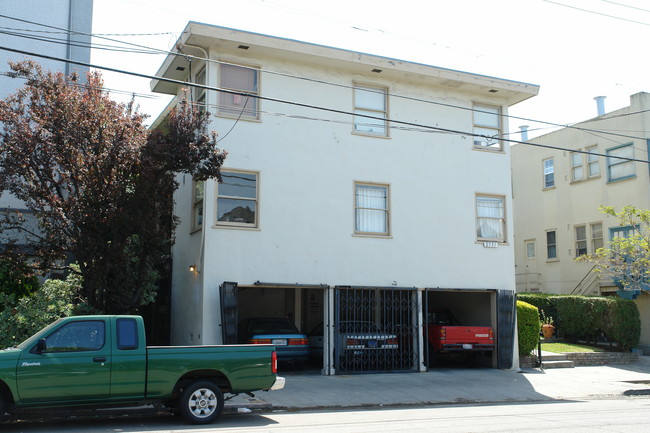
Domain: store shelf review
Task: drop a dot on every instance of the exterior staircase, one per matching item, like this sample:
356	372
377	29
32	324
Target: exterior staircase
556	360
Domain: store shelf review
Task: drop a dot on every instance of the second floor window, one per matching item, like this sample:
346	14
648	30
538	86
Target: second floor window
549	173
370	101
596	236
239	79
593	164
487	127
371	212
577	169
197	204
490	218
237	199
619	169
200	93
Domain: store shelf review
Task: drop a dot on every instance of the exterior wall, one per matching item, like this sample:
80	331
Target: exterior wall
308	161
570	203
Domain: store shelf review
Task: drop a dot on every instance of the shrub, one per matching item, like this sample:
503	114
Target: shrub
528	327
23	317
591	318
16	281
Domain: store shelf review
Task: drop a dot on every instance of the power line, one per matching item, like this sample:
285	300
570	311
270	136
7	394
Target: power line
313	107
626	6
597	13
151	50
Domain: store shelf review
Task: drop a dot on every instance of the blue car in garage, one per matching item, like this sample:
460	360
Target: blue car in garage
291	346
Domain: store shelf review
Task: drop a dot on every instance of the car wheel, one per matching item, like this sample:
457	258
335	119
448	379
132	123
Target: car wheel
201	402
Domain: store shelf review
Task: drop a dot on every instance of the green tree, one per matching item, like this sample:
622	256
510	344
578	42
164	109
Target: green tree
16	280
23	317
98	182
627	259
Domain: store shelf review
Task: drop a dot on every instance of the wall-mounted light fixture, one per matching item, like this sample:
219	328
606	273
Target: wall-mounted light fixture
193	268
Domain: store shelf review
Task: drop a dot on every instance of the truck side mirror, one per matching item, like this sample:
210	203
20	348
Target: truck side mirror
41	346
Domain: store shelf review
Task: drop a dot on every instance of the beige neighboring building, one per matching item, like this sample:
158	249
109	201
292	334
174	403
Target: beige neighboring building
557	195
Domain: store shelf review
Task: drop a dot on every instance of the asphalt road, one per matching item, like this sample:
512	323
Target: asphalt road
625	415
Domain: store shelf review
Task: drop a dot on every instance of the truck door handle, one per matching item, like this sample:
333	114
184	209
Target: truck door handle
99	359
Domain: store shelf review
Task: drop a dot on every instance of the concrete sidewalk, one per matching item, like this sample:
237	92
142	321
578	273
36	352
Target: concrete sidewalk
453	386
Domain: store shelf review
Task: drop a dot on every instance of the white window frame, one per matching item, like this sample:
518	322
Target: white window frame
616	163
197	204
549	245
367	207
237	106
486	222
548	171
482	126
527	249
200	94
577	166
224	198
592	161
364	125
596	241
581	240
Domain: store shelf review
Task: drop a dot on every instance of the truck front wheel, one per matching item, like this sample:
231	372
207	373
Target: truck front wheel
201	402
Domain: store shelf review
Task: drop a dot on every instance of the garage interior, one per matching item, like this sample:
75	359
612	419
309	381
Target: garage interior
395	312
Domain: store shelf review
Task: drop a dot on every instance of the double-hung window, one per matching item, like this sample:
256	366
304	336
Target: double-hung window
240	79
371	209
551	245
581	240
490	218
372	102
619	169
593	164
596	236
197	204
487	127
549	173
237	199
577	167
199	92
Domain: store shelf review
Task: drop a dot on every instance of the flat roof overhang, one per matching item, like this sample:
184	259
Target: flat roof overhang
226	41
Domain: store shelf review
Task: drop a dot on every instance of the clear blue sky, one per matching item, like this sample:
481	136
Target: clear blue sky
574	49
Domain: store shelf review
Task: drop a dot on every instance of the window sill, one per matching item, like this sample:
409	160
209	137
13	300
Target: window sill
237	118
621	179
233	227
489	149
370	134
370	235
584	180
196	230
552	260
487	241
549	188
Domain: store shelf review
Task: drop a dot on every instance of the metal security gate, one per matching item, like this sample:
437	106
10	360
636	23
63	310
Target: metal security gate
376	329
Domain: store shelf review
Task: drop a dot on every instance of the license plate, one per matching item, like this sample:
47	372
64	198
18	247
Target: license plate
372	344
467	346
280	341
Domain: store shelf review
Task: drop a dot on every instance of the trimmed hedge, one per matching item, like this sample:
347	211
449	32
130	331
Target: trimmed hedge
589	318
528	327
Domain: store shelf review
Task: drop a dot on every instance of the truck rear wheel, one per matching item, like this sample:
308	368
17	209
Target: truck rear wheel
201	402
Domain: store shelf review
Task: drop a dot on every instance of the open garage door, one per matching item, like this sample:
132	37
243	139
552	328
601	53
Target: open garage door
375	329
459	327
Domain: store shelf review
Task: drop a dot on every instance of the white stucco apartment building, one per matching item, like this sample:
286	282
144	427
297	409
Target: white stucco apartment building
326	215
558	195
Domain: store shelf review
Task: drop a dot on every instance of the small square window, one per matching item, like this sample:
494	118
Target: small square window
487	127
490	218
372	215
237	199
619	169
239	79
372	102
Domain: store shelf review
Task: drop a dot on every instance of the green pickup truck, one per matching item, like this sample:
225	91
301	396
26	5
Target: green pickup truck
103	361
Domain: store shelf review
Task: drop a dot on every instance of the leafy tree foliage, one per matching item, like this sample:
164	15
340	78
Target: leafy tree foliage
16	280
98	182
23	317
627	259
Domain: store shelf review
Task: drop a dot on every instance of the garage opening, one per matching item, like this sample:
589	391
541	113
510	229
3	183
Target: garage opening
279	314
375	330
459	328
